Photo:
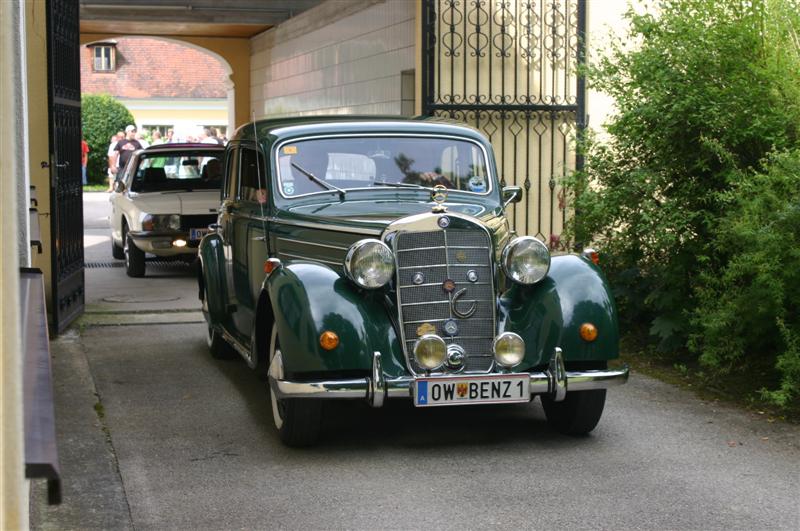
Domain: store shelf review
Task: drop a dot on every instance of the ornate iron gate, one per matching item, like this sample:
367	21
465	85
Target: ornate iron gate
66	193
510	68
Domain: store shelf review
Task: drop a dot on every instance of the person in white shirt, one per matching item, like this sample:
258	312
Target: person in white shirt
112	158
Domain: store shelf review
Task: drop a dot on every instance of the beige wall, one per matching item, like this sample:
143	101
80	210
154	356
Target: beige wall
13	486
605	18
336	58
234	51
38	138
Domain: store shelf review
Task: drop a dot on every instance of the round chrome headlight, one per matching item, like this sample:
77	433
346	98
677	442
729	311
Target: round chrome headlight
526	260
509	349
369	263
430	351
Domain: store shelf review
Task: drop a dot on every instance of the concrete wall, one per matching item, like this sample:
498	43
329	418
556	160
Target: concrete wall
341	57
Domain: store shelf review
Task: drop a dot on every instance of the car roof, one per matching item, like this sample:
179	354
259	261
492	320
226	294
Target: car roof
185	146
271	129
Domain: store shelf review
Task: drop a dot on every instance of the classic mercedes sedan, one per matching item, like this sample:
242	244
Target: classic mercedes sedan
163	202
370	258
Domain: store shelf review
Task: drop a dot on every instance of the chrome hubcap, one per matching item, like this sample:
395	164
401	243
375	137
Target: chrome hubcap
276	369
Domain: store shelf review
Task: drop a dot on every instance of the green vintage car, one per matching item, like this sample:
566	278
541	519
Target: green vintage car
370	258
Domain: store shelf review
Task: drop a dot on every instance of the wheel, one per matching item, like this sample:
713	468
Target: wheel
578	413
219	348
117	251
134	258
297	420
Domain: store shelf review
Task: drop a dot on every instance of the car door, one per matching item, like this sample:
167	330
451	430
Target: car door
225	228
250	245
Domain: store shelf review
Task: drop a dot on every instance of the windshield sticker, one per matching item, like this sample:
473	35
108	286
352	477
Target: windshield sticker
477	184
288	188
290	150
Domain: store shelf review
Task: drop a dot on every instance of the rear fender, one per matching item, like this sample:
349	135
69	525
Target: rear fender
550	313
308	298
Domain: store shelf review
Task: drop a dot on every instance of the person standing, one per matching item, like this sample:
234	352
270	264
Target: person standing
112	157
125	149
142	142
84	159
170	135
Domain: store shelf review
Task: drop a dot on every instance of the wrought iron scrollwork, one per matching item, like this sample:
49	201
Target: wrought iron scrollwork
511	69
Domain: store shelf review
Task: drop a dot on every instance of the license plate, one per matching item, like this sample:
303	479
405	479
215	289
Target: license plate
197	234
490	389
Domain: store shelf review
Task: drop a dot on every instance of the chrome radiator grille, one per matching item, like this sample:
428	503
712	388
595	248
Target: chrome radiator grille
438	256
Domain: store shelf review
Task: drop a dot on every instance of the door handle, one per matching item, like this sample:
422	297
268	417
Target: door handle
216	227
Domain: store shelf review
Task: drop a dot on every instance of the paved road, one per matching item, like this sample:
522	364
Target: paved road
190	445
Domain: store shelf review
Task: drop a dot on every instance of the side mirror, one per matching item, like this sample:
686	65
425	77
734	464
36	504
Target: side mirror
119	186
512	194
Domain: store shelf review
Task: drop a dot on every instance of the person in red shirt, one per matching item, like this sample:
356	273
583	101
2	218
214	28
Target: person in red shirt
84	159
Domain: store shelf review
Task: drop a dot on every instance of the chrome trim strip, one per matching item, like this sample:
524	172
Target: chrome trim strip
301	242
434	302
439	284
442	320
322	226
450	247
276	149
311	259
446	265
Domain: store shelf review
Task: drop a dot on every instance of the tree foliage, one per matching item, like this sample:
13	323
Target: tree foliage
704	91
102	116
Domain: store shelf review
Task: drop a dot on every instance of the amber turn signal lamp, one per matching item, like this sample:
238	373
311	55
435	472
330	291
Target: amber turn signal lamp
591	254
328	340
588	332
270	266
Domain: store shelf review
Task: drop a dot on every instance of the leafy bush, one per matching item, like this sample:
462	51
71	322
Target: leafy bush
102	116
705	91
750	307
701	99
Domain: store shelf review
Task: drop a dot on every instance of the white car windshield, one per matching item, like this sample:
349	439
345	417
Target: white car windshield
163	172
329	164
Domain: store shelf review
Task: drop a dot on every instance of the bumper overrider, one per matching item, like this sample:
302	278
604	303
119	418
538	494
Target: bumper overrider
555	381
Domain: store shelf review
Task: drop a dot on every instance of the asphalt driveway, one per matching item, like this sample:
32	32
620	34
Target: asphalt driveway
155	434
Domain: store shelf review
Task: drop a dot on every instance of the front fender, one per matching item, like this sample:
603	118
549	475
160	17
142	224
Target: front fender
308	298
550	313
212	262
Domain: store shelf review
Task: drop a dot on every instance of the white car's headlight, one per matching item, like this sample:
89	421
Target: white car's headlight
526	260
369	263
161	222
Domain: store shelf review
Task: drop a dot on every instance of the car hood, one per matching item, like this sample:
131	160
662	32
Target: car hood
196	202
374	216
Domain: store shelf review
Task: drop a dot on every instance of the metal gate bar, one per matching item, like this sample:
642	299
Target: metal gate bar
66	192
511	69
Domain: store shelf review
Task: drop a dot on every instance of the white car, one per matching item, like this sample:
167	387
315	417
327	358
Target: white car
163	202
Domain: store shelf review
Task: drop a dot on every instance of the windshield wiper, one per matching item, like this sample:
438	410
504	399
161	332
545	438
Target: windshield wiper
315	179
401	185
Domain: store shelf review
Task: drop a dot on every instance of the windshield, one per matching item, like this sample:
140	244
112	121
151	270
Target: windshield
198	170
331	164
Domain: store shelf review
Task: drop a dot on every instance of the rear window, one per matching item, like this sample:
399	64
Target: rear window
184	171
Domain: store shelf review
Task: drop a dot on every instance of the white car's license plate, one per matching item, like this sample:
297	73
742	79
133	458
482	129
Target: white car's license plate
489	389
197	234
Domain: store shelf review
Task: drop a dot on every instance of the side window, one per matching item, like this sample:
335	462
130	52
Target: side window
252	178
231	174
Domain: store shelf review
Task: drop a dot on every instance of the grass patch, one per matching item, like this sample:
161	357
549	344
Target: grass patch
95	187
742	389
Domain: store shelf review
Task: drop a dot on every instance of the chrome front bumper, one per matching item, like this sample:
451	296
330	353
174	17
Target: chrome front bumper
555	381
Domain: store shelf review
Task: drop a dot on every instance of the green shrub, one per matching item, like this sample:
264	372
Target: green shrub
749	309
704	90
101	116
